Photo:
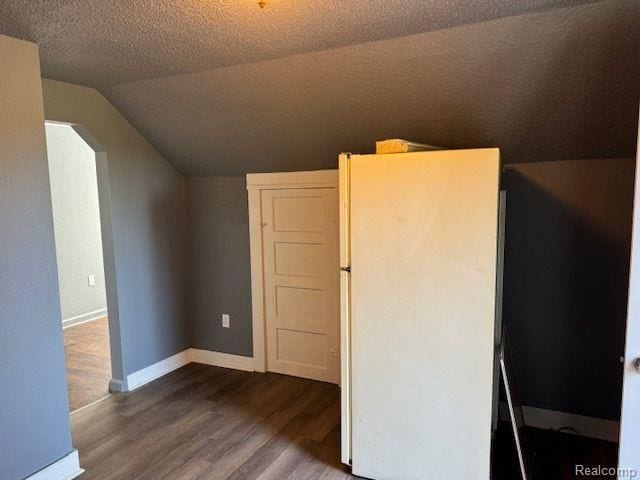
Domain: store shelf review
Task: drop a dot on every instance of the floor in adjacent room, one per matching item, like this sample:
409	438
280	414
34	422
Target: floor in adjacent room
88	362
208	423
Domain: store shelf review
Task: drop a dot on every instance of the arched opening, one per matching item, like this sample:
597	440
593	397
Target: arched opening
79	178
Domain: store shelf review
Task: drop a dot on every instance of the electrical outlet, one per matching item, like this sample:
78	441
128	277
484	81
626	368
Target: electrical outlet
92	280
226	320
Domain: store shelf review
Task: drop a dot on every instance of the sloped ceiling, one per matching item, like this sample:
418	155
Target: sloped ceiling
223	88
106	42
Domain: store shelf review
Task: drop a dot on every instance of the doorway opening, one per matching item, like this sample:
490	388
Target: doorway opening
80	205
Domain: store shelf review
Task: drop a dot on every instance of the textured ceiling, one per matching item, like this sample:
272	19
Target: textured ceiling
558	84
106	42
221	87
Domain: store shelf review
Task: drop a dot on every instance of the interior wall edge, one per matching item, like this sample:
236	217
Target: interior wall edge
148	218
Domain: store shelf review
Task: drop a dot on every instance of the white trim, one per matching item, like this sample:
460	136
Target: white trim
630	415
307	179
168	365
257	280
591	427
84	318
150	373
256	182
345	309
89	405
66	468
219	359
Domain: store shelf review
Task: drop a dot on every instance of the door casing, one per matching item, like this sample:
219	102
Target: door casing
256	183
629	446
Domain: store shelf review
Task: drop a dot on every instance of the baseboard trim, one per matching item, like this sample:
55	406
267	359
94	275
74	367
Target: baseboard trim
84	318
89	405
168	365
67	468
150	373
592	427
599	428
116	385
219	359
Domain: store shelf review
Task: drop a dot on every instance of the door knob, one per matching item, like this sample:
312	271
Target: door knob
636	364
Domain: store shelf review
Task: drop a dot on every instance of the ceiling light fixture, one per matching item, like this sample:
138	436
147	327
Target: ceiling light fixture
262	3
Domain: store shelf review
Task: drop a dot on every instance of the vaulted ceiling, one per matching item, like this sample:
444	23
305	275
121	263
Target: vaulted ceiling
222	87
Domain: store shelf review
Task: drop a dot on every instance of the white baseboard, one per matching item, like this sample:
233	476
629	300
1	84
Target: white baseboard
219	359
146	375
591	427
207	357
66	468
85	317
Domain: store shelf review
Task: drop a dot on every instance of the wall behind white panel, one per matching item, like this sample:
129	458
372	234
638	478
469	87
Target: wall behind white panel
566	273
76	221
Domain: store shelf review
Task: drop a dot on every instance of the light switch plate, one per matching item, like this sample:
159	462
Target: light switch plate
226	320
92	280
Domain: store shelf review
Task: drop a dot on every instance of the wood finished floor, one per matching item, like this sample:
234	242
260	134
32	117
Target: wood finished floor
88	360
209	423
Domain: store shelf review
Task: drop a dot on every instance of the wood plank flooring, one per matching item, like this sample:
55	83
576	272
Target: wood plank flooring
209	423
88	360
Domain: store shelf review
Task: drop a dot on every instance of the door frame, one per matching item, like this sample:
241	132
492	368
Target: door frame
629	440
256	182
118	382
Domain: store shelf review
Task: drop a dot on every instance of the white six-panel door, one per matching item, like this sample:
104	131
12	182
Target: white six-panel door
301	276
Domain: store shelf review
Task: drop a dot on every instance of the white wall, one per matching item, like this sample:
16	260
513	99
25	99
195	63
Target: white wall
76	221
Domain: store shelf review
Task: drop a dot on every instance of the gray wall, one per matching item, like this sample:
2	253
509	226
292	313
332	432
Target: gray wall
148	219
76	221
219	263
566	268
34	418
567	248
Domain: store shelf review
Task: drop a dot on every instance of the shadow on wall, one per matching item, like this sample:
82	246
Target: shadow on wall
165	286
568	237
219	264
